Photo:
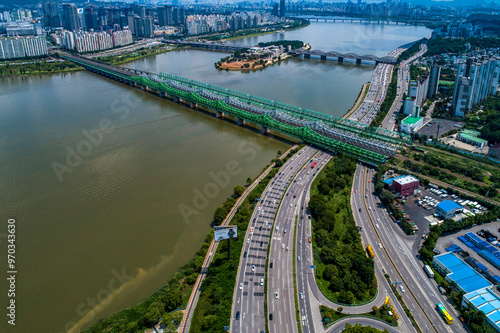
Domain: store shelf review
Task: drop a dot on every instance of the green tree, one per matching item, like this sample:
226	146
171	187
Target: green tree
238	191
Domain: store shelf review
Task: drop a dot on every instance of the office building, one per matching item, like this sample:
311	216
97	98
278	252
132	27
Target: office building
71	21
91	18
434	75
51	17
411	125
410	106
405	185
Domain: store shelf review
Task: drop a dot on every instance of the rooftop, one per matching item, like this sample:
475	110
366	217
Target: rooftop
411	120
488	302
390	180
471	135
448	205
461	273
406	180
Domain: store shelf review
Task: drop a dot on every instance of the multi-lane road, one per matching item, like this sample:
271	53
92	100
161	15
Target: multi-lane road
248	313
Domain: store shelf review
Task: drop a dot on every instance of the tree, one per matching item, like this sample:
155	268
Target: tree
387	198
238	191
219	215
249	181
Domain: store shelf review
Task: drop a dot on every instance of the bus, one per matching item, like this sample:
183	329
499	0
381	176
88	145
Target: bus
312	166
445	314
370	251
429	271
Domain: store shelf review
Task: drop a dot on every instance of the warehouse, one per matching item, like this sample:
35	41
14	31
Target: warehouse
487	301
447	209
453	268
405	185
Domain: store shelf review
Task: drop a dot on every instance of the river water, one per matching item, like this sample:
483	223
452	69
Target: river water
113	189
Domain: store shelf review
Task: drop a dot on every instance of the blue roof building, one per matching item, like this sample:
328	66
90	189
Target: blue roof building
389	180
487	301
454	269
447	208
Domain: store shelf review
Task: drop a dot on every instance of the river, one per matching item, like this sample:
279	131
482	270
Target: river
97	174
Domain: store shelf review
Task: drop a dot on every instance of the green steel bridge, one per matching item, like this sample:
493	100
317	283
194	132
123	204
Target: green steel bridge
370	145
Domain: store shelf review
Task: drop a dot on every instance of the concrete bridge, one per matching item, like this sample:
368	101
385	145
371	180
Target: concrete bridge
341	56
371	145
389	21
206	45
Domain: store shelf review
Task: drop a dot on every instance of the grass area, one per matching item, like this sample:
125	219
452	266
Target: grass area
39	67
344	273
138	54
330	316
214	305
446	83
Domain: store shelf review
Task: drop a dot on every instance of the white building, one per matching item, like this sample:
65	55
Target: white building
12	48
411	124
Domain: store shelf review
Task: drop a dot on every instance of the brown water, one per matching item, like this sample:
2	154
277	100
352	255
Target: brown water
97	176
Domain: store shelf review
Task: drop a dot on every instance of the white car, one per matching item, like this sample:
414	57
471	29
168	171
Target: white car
253	268
301	296
248	240
241	285
379	245
261	282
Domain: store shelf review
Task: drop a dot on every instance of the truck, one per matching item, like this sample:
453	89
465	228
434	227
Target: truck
429	271
370	251
312	166
309	239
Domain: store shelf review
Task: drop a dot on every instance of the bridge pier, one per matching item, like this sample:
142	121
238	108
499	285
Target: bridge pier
193	105
176	99
219	114
161	94
264	130
340	59
358	61
307	56
241	121
323	57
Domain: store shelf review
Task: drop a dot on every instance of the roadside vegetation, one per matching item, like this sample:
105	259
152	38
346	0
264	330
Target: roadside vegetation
38	67
214	305
329	316
388	100
137	54
295	44
344	272
411	51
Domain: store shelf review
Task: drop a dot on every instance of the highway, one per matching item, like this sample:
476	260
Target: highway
248	300
370	106
281	294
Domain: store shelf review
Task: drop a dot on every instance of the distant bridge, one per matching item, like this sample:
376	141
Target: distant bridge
388	21
371	145
341	56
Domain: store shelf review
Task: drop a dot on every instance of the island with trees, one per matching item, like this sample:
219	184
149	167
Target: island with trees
260	56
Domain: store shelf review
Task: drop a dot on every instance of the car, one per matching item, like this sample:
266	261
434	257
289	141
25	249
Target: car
245	254
402	288
237	315
298	258
260	228
370	208
302	207
283	246
294	196
366	195
271	265
270	316
261	243
301	295
276	295
300	241
379	245
360	210
377	226
253	268
248	240
241	285
261	282
284	231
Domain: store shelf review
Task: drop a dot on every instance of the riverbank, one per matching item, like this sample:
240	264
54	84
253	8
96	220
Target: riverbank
362	94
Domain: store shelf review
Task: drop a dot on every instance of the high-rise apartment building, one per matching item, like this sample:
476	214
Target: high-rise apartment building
51	17
71	21
476	79
282	8
11	48
433	81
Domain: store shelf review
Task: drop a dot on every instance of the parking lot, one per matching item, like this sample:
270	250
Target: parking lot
444	126
447	241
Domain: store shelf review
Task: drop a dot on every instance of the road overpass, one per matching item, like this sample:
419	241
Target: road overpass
371	145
